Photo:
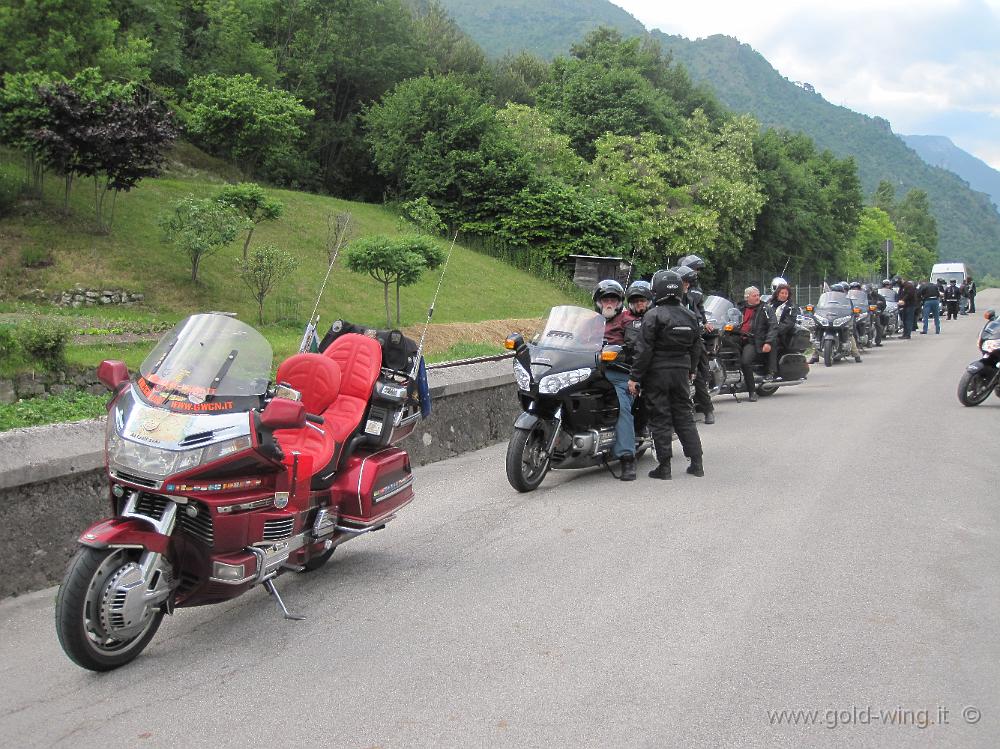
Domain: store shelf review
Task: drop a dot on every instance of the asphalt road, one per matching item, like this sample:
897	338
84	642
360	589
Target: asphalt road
841	556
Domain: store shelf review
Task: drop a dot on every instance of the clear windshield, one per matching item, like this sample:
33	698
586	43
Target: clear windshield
888	294
836	302
860	298
207	358
572	329
717	310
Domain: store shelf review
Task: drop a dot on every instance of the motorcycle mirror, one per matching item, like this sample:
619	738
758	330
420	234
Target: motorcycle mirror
990	314
112	374
281	413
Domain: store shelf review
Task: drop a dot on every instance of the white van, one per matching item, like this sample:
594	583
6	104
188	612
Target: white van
948	271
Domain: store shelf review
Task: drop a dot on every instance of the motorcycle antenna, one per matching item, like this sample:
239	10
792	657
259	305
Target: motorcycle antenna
787	260
430	312
631	265
310	332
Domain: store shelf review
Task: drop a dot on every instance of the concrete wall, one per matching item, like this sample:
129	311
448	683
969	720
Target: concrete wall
52	482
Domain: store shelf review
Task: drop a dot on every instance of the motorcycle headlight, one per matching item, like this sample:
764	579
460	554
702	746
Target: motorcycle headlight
843	320
553	383
522	377
809	321
148	460
990	346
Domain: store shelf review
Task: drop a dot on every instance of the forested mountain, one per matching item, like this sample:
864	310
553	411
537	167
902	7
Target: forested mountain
547	28
968	223
937	150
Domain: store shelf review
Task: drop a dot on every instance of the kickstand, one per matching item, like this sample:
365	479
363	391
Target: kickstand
610	469
269	585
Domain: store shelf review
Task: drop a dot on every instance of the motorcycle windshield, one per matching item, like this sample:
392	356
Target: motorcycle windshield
572	329
888	294
718	310
834	303
859	298
208	362
991	331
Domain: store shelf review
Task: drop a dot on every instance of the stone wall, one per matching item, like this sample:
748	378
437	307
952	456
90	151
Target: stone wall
82	297
40	383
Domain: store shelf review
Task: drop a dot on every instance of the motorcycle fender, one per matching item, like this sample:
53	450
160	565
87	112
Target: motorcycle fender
526	421
125	532
829	335
976	366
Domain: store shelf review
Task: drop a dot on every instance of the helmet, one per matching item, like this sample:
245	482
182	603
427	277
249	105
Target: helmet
951	280
608	287
693	262
776	282
839	287
638	289
855	284
666	285
940	282
886	282
687	273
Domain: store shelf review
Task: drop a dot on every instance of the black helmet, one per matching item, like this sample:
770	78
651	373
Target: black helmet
608	287
638	289
886	282
693	262
839	287
666	285
952	280
855	284
687	273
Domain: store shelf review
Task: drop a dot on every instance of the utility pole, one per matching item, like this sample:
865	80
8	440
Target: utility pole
888	249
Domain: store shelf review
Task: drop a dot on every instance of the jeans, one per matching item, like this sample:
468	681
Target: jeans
625	428
932	307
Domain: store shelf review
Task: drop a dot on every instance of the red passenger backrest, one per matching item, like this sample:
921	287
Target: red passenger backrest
317	377
360	361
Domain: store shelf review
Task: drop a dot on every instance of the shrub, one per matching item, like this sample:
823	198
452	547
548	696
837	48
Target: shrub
10	190
44	341
8	343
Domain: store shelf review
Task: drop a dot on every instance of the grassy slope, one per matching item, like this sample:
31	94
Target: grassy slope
475	287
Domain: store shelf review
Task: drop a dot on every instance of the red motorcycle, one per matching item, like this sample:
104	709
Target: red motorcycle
220	482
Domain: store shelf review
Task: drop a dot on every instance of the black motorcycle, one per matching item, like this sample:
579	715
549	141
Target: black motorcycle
865	323
570	409
723	347
982	376
832	320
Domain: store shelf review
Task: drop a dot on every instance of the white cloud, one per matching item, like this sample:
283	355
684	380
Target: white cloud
913	62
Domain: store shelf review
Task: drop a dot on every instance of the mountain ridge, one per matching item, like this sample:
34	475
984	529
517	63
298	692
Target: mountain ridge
941	151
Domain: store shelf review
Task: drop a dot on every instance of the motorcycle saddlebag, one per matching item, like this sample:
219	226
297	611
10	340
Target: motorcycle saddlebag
373	485
799	341
793	367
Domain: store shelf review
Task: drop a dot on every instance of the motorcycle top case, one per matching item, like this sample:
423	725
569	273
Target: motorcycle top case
373	485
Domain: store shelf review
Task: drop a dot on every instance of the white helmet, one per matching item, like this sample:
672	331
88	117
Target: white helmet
776	282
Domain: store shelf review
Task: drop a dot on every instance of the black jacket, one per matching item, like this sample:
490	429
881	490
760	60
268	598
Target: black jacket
763	328
669	338
952	293
929	291
786	323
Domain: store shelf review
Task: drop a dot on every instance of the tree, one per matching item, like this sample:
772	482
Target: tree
252	203
398	262
239	118
913	216
884	197
200	228
421	214
265	267
22	114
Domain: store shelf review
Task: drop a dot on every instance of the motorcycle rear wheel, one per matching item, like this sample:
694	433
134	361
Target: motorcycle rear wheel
79	607
525	466
828	353
975	387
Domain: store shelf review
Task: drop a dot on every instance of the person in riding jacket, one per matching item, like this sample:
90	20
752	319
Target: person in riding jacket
758	331
609	300
665	362
693	299
907	302
970	292
952	296
930	297
786	315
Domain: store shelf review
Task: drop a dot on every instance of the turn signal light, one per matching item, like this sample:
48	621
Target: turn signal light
609	355
809	308
872	308
509	344
857	310
728	328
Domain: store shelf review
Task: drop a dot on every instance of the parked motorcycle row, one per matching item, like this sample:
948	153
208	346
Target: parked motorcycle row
570	409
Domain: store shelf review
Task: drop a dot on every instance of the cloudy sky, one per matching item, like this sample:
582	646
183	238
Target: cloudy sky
931	67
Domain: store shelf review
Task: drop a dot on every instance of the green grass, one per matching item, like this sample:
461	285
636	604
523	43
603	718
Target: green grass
73	406
464	351
475	287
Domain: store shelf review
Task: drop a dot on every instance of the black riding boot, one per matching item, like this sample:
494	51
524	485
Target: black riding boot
628	467
696	468
662	471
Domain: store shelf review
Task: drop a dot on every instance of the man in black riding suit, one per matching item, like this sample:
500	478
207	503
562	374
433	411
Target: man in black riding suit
666	359
695	298
952	296
609	300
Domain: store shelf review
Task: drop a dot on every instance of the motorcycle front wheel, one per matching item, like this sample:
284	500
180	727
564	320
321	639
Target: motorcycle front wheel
975	387
526	466
86	616
828	353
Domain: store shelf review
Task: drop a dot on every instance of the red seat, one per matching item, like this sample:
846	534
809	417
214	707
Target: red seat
360	360
318	378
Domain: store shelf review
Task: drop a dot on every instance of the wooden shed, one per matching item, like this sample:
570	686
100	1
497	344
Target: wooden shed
589	269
